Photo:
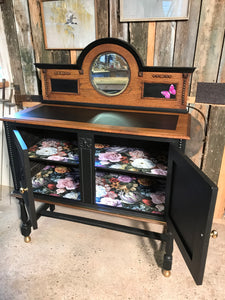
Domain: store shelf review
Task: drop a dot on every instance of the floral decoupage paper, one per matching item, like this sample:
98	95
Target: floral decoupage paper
130	192
56	150
58	181
131	159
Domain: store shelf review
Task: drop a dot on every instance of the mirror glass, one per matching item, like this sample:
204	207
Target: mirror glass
110	74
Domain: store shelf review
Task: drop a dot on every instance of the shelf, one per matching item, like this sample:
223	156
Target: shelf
58	181
129	192
54	150
131	159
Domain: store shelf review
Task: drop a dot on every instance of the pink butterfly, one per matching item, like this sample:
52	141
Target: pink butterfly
171	91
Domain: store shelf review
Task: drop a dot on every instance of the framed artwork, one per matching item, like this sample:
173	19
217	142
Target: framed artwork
68	24
153	10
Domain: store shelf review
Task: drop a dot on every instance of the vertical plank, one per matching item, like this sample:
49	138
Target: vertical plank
60	56
102	18
220	201
151	43
164	44
12	42
117	29
209	43
186	36
73	56
41	54
139	38
215	142
221	75
195	146
25	46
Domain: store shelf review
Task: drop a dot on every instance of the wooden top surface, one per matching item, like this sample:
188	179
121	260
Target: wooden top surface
134	122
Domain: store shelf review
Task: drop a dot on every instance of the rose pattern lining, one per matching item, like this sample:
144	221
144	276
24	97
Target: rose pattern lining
58	181
131	159
130	192
56	150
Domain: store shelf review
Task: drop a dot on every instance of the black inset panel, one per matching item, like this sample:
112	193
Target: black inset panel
160	90
64	85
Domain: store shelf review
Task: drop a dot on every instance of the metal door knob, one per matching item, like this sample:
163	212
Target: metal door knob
214	234
23	190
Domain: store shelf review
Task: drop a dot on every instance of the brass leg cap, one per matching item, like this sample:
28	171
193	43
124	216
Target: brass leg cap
166	273
27	239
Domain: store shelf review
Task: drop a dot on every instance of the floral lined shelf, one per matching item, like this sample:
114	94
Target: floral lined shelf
58	181
130	159
55	150
141	194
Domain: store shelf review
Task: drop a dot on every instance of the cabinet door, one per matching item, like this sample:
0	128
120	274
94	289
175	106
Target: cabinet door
25	179
191	199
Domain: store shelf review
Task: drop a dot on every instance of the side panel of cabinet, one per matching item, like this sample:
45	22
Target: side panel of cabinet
191	199
25	177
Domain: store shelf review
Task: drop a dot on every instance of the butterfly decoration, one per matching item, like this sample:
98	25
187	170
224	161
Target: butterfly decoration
171	91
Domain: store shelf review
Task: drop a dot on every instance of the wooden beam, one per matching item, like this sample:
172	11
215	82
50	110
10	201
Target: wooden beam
151	43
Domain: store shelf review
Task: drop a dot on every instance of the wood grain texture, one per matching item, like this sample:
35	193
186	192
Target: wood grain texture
221	74
186	35
117	29
41	54
25	46
151	43
102	18
209	42
195	146
139	38
214	143
220	202
164	45
12	42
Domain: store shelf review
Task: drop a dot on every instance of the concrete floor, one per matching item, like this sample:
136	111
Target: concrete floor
67	260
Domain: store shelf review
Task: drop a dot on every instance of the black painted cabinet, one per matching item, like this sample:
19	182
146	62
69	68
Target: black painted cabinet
172	189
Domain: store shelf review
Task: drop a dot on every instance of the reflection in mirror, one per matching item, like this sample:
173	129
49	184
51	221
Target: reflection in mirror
110	74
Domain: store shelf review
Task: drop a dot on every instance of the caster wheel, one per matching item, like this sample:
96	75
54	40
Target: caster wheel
166	273
27	239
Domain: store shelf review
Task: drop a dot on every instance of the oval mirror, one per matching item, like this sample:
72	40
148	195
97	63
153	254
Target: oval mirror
110	74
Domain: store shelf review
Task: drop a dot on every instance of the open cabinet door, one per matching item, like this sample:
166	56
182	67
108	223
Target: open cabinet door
191	200
25	179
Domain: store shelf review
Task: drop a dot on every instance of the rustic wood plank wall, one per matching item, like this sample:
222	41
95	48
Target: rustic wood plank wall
198	42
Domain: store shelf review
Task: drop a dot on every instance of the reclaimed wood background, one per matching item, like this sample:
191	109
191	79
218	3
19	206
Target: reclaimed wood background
198	42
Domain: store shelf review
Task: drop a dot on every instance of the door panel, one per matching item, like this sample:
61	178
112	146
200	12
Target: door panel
25	177
191	197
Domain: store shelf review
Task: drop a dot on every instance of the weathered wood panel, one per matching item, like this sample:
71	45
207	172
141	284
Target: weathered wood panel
139	38
209	43
215	142
102	19
25	46
41	54
220	203
186	35
12	43
164	45
195	146
221	75
117	29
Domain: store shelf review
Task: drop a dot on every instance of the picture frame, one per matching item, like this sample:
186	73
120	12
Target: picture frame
68	24
154	10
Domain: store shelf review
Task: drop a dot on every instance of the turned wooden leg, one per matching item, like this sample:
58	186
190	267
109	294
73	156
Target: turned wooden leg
52	207
167	262
25	227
